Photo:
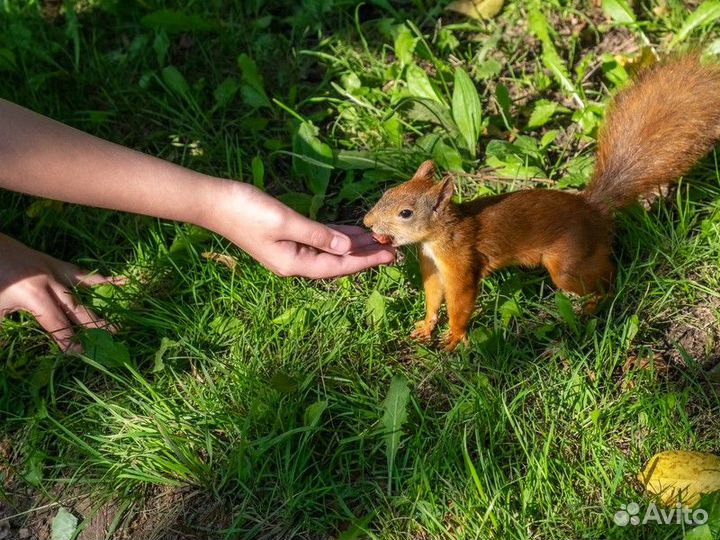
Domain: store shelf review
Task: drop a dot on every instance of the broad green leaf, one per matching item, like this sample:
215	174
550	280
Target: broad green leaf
502	96
548	138
312	158
430	110
358	529
258	172
618	10
419	84
375	308
394	416
542	113
566	311
165	345
41	207
704	14
488	69
175	81
283	383
404	46
509	310
161	45
614	71
314	412
63	525
632	327
476	9
34	465
579	169
291	316
681	476
189	237
300	202
176	21
467	110
513	160
350	81
703	532
98	345
225	92
447	158
551	59
711	529
253	87
555	64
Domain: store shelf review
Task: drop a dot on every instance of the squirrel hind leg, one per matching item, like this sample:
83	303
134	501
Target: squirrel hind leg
594	275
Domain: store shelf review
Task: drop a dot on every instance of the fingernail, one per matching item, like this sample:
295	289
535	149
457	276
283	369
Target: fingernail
341	244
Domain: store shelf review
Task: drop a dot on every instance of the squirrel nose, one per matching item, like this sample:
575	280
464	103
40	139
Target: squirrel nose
368	221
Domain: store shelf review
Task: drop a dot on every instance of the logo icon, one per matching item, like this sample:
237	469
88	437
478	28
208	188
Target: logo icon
627	514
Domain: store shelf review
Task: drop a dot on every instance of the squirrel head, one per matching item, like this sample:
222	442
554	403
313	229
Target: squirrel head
409	213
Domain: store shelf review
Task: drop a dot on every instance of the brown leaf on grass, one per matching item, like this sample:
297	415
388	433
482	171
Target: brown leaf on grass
633	63
635	363
681	476
476	9
220	258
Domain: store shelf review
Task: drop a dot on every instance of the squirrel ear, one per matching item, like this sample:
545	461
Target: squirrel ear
425	170
443	192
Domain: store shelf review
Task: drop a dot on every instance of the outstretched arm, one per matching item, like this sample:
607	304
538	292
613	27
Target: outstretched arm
42	157
45	158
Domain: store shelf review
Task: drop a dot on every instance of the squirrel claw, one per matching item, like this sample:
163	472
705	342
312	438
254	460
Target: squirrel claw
422	332
451	341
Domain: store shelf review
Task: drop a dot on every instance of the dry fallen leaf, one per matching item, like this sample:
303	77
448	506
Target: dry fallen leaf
681	476
225	260
476	9
633	63
644	362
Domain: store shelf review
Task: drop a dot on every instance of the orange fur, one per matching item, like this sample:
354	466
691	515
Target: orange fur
655	131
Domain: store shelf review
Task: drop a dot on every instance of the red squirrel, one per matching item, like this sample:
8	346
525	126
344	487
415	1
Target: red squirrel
655	130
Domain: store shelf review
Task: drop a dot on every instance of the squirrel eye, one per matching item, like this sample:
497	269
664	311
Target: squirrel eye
405	213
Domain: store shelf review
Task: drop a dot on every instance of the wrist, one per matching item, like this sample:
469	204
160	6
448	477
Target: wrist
219	203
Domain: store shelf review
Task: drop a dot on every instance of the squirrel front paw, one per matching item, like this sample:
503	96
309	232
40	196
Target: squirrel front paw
422	332
452	339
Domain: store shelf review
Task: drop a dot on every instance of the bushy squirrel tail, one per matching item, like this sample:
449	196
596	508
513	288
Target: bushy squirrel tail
656	130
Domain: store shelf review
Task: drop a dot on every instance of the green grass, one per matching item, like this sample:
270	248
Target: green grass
264	398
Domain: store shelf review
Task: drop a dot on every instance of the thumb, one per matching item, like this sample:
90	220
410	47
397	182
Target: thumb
321	237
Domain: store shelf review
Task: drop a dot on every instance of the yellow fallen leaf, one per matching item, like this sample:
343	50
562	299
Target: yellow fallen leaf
477	9
681	476
225	260
645	58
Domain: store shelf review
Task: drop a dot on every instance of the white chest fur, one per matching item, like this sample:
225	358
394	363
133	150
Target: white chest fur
428	251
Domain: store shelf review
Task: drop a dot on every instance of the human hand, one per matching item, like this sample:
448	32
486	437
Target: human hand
290	244
41	285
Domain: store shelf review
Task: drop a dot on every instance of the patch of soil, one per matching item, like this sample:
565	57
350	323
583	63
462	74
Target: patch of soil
164	514
696	334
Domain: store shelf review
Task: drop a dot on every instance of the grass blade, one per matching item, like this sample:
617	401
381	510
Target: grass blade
550	57
395	407
705	13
